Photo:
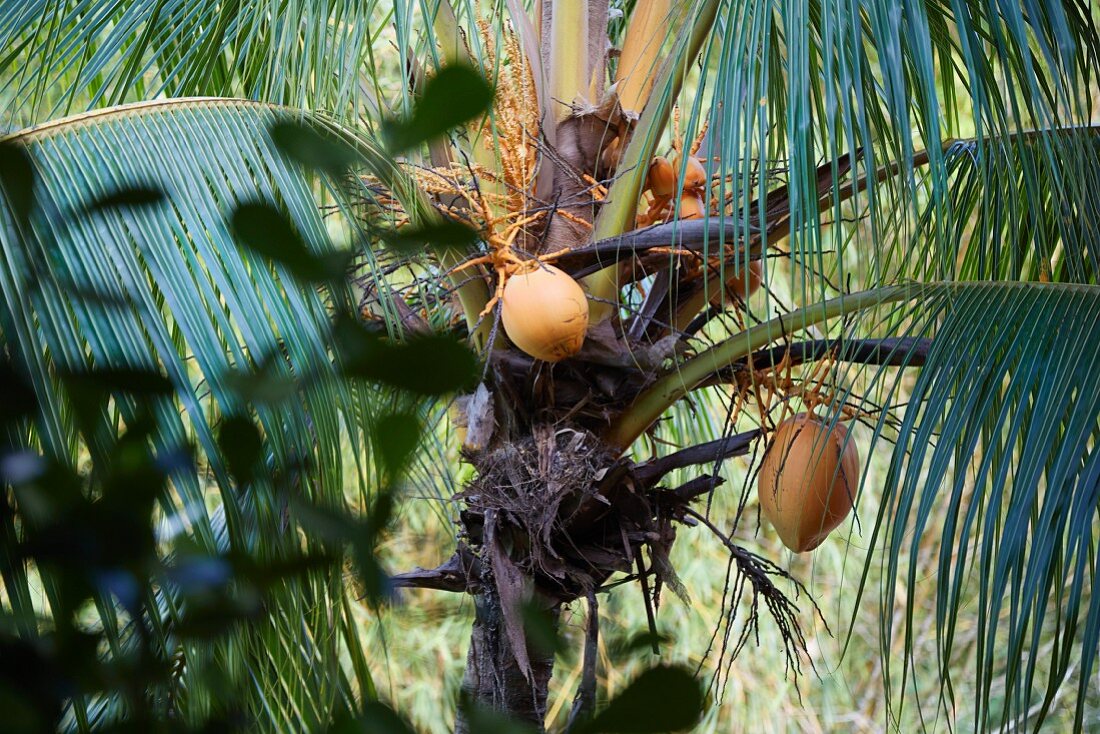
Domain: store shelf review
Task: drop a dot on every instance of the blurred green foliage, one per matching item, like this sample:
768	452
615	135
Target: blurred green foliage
90	528
87	527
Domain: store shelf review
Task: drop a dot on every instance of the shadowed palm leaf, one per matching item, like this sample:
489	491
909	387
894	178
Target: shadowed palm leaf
162	285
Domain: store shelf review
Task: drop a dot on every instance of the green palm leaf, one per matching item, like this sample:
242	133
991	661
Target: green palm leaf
813	82
164	286
74	54
1016	212
1004	429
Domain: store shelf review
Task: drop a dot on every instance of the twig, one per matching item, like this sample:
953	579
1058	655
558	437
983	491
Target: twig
757	571
723	448
459	573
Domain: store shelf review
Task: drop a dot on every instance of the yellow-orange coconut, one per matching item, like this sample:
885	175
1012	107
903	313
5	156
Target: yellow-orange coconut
695	174
662	178
735	286
807	481
692	207
545	313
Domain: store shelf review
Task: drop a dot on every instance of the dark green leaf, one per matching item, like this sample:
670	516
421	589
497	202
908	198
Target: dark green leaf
397	437
642	642
17	179
376	718
268	573
426	365
90	391
453	96
215	616
312	148
19	401
133	381
487	721
133	196
267	232
336	528
32	687
241	445
263	387
97	296
662	699
542	631
340	529
444	235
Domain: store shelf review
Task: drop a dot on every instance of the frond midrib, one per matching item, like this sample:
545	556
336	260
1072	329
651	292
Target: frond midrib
130	110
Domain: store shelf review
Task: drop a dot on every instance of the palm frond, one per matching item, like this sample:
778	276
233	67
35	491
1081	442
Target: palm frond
1016	213
164	286
1003	426
1005	429
792	88
78	54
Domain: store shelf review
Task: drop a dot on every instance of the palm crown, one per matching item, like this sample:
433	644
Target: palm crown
770	209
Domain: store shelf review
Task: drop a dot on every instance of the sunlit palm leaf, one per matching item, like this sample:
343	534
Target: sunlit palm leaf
62	55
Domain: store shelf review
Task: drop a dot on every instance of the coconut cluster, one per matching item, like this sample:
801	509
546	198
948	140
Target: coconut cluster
661	182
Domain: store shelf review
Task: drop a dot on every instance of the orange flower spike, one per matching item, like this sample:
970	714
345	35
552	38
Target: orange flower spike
698	142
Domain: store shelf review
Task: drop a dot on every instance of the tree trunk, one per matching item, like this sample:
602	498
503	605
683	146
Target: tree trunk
494	679
525	514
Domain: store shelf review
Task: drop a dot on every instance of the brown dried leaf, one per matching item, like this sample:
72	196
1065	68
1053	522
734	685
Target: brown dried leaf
480	419
511	591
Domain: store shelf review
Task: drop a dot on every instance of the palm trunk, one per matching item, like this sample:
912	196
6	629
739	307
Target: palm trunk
494	679
540	541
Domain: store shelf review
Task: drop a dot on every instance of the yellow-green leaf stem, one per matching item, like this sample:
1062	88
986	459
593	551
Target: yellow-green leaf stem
651	404
568	56
449	36
617	214
641	48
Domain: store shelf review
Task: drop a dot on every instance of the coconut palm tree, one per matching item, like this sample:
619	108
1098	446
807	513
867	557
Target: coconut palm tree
876	213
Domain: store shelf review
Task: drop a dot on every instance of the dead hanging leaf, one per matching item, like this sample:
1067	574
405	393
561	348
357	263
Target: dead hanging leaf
512	593
480	419
666	573
603	346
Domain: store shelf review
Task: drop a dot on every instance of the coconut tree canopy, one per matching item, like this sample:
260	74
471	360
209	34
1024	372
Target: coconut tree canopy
913	185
